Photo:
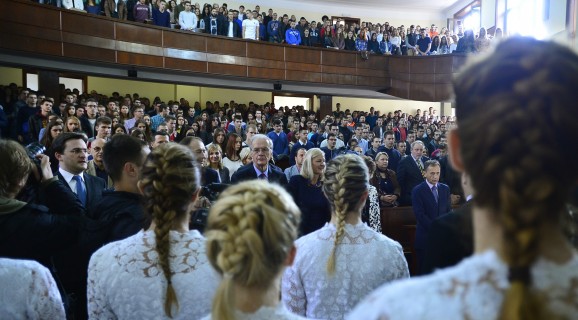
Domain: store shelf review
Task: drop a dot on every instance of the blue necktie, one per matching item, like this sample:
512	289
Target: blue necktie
262	176
80	190
434	189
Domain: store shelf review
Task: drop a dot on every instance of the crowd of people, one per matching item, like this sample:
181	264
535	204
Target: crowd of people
215	19
101	193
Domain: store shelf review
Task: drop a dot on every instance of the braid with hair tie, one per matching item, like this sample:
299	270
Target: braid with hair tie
169	180
530	97
346	179
250	233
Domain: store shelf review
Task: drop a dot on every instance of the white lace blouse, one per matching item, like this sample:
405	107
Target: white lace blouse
374	211
28	291
126	282
265	313
474	289
365	259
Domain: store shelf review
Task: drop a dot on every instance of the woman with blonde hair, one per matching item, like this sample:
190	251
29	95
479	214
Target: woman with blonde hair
161	272
72	124
523	265
216	162
337	254
250	232
306	191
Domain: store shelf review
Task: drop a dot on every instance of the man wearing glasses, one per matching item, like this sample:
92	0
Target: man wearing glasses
260	168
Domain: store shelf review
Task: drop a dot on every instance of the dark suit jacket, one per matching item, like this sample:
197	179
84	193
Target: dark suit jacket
450	239
426	209
220	20
86	127
94	188
408	176
224	31
209	176
247	172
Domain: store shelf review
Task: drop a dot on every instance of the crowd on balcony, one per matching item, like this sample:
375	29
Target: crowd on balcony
215	19
101	193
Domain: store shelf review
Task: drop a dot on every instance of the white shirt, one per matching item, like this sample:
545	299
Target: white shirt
474	289
126	282
230	31
188	20
28	291
73	4
68	177
265	313
233	166
251	27
308	290
396	41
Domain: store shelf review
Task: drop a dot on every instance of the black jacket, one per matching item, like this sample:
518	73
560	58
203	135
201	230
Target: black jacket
247	172
94	188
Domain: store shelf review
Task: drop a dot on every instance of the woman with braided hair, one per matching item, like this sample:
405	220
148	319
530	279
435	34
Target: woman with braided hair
337	265
523	266
250	234
161	272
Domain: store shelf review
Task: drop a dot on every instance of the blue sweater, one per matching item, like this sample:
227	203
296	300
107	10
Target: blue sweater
292	36
280	143
161	19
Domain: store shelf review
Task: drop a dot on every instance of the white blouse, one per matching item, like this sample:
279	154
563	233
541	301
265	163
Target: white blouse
309	291
474	289
265	313
233	166
28	291
126	282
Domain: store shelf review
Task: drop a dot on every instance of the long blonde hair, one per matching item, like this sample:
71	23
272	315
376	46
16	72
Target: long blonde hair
250	233
169	181
346	180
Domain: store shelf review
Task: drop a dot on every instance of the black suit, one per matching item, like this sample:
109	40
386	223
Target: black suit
209	176
224	31
247	172
219	25
408	176
87	127
450	240
94	187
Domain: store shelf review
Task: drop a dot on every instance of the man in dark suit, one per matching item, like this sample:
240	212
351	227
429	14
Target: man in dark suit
71	151
451	236
260	168
230	28
208	175
410	172
430	199
301	143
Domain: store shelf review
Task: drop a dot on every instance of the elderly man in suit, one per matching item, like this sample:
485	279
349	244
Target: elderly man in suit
260	168
430	199
72	154
410	172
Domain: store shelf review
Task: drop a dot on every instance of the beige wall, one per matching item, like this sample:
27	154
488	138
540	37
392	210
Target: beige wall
240	96
148	89
10	75
385	106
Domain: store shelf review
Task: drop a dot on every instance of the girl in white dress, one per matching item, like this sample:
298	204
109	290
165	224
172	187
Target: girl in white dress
523	267
250	235
162	272
339	264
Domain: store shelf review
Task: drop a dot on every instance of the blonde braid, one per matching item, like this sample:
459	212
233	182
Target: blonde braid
521	99
346	179
250	232
170	178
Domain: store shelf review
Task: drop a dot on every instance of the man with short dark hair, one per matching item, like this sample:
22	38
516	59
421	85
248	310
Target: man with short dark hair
375	148
302	142
280	144
160	137
39	120
103	129
137	114
196	145
330	149
231	28
389	148
88	120
214	23
24	113
295	169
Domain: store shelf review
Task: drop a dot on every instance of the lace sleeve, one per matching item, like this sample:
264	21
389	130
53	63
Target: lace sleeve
45	298
374	210
97	306
293	292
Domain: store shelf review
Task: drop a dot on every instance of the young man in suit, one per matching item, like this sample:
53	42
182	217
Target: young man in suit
72	154
430	199
261	152
302	143
410	172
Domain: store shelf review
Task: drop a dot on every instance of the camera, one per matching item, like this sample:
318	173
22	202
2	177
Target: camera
34	149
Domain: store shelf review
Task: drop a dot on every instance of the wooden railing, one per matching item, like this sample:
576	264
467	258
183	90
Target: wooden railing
32	29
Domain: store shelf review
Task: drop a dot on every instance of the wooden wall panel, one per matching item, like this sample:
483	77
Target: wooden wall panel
261	63
87	24
304	76
227	69
338	70
398	65
303	55
226	59
188	65
31	45
88	41
303	67
338	58
139	59
139	34
29	13
71	50
344	79
265	73
264	50
30	31
422	65
184	54
226	46
184	40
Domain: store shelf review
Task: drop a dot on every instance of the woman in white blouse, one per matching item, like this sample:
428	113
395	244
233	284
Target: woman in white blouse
523	265
250	235
333	270
162	272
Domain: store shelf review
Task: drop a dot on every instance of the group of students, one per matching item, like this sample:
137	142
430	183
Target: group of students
249	264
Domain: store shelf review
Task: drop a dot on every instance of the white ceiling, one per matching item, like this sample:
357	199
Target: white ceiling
436	5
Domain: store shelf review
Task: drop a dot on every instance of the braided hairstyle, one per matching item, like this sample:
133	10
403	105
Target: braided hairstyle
170	179
250	233
346	180
523	99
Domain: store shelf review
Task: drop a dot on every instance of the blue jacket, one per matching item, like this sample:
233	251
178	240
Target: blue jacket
280	143
273	28
161	19
292	36
426	209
